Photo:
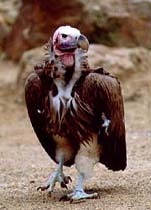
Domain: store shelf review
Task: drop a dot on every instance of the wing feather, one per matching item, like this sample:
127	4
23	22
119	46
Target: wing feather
34	97
37	89
105	95
102	93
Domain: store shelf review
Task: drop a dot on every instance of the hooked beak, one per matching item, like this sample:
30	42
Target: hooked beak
83	42
68	44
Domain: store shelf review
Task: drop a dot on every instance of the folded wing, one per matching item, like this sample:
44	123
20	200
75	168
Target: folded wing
105	95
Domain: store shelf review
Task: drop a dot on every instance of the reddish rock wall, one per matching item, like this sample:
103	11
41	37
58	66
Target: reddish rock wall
37	20
111	22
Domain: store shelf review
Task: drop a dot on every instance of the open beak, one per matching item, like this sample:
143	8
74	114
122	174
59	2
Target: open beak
83	42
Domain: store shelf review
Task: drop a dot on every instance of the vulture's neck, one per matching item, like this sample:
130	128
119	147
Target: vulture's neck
66	83
64	99
70	75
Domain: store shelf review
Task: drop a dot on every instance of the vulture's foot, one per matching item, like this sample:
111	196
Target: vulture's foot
53	179
78	196
79	193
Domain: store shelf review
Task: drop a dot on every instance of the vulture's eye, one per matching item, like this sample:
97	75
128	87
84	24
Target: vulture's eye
64	35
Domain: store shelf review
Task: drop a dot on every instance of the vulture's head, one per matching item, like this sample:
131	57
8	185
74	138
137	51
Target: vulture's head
66	40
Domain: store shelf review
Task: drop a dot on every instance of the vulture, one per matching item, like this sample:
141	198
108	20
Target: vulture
76	111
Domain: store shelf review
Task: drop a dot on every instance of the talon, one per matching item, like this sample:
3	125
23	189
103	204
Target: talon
49	194
67	179
42	188
63	185
77	201
64	198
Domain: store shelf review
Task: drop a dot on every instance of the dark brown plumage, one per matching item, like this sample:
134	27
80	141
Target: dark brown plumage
95	100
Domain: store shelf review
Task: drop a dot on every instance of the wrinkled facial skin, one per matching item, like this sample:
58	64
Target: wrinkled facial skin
66	41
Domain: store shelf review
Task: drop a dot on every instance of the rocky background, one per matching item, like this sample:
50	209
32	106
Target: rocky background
119	30
120	35
29	23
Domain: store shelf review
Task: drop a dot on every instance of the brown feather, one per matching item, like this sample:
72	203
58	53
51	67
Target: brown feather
95	92
105	96
36	96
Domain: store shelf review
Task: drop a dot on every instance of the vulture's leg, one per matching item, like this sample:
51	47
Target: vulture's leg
86	158
56	176
79	193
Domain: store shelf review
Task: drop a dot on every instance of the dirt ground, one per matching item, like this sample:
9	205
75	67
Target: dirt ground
24	165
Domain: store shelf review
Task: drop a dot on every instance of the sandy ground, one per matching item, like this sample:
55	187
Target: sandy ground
24	165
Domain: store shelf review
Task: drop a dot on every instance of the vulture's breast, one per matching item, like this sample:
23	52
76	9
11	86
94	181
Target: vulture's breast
61	106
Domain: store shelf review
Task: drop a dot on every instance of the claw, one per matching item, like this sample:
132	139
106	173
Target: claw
56	176
63	185
64	198
49	194
67	179
78	194
42	188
